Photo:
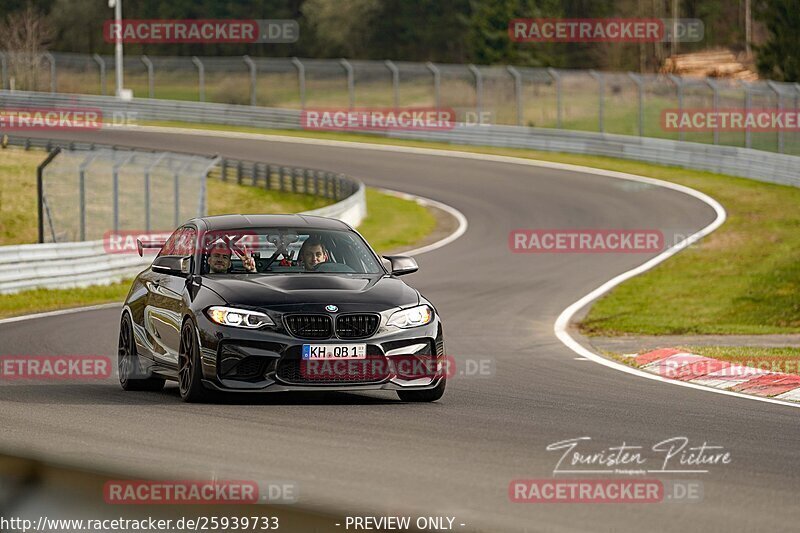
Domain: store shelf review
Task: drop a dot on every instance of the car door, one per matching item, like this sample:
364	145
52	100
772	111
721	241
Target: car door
165	298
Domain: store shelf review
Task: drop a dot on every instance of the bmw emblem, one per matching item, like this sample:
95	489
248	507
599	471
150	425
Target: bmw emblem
331	308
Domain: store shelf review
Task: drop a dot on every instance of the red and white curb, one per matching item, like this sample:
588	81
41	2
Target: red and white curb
674	364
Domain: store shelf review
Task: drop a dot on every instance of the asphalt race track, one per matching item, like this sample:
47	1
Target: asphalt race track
370	453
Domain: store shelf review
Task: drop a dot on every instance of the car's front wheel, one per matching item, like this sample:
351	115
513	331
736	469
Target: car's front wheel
190	373
131	375
429	395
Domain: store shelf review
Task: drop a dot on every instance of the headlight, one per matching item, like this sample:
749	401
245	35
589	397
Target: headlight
411	318
240	318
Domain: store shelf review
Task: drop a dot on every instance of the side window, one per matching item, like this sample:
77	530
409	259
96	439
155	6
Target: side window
186	244
169	246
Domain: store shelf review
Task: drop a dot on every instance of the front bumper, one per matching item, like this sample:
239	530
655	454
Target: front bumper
266	360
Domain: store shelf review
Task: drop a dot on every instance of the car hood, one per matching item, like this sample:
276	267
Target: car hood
271	291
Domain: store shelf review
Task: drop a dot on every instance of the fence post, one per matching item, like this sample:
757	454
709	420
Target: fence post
150	76
301	80
115	180
201	78
437	82
679	90
395	81
101	64
40	189
478	88
640	90
601	90
351	84
517	93
252	66
748	102
82	192
779	105
52	60
557	78
177	192
147	172
715	102
3	71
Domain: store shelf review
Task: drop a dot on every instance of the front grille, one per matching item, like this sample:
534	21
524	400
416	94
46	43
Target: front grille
330	372
356	326
309	326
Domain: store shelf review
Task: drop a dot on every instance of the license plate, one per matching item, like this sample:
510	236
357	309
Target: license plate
334	351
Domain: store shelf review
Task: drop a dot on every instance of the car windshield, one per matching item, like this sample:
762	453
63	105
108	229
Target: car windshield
286	251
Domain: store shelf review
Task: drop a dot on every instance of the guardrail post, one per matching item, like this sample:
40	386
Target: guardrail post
3	71
779	106
395	82
715	103
478	88
52	60
252	66
557	79
40	190
351	84
437	83
601	93
679	91
201	78
640	90
301	80
150	76
101	64
517	93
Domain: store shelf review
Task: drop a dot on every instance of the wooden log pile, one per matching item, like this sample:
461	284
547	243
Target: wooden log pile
717	63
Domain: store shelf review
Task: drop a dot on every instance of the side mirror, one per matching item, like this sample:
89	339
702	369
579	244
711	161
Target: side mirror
173	265
401	264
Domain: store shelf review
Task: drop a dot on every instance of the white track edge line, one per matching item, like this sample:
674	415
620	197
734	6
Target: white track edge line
560	326
59	312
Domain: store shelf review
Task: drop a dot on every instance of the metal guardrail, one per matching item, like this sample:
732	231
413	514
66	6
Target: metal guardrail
77	264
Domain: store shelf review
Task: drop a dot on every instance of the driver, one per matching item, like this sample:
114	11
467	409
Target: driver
219	260
313	252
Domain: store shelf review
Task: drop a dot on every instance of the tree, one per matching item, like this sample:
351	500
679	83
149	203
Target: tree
779	57
24	35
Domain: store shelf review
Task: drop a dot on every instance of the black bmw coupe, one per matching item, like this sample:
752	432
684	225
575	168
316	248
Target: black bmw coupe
261	303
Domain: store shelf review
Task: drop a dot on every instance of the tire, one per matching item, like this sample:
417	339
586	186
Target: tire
430	395
190	373
128	365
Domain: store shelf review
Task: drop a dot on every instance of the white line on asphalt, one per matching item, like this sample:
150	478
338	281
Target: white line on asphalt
60	312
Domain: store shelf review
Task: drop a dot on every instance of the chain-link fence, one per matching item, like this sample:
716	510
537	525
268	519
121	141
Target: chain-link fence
87	194
582	100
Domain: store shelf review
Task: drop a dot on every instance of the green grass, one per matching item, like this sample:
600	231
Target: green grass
18	195
393	223
743	279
